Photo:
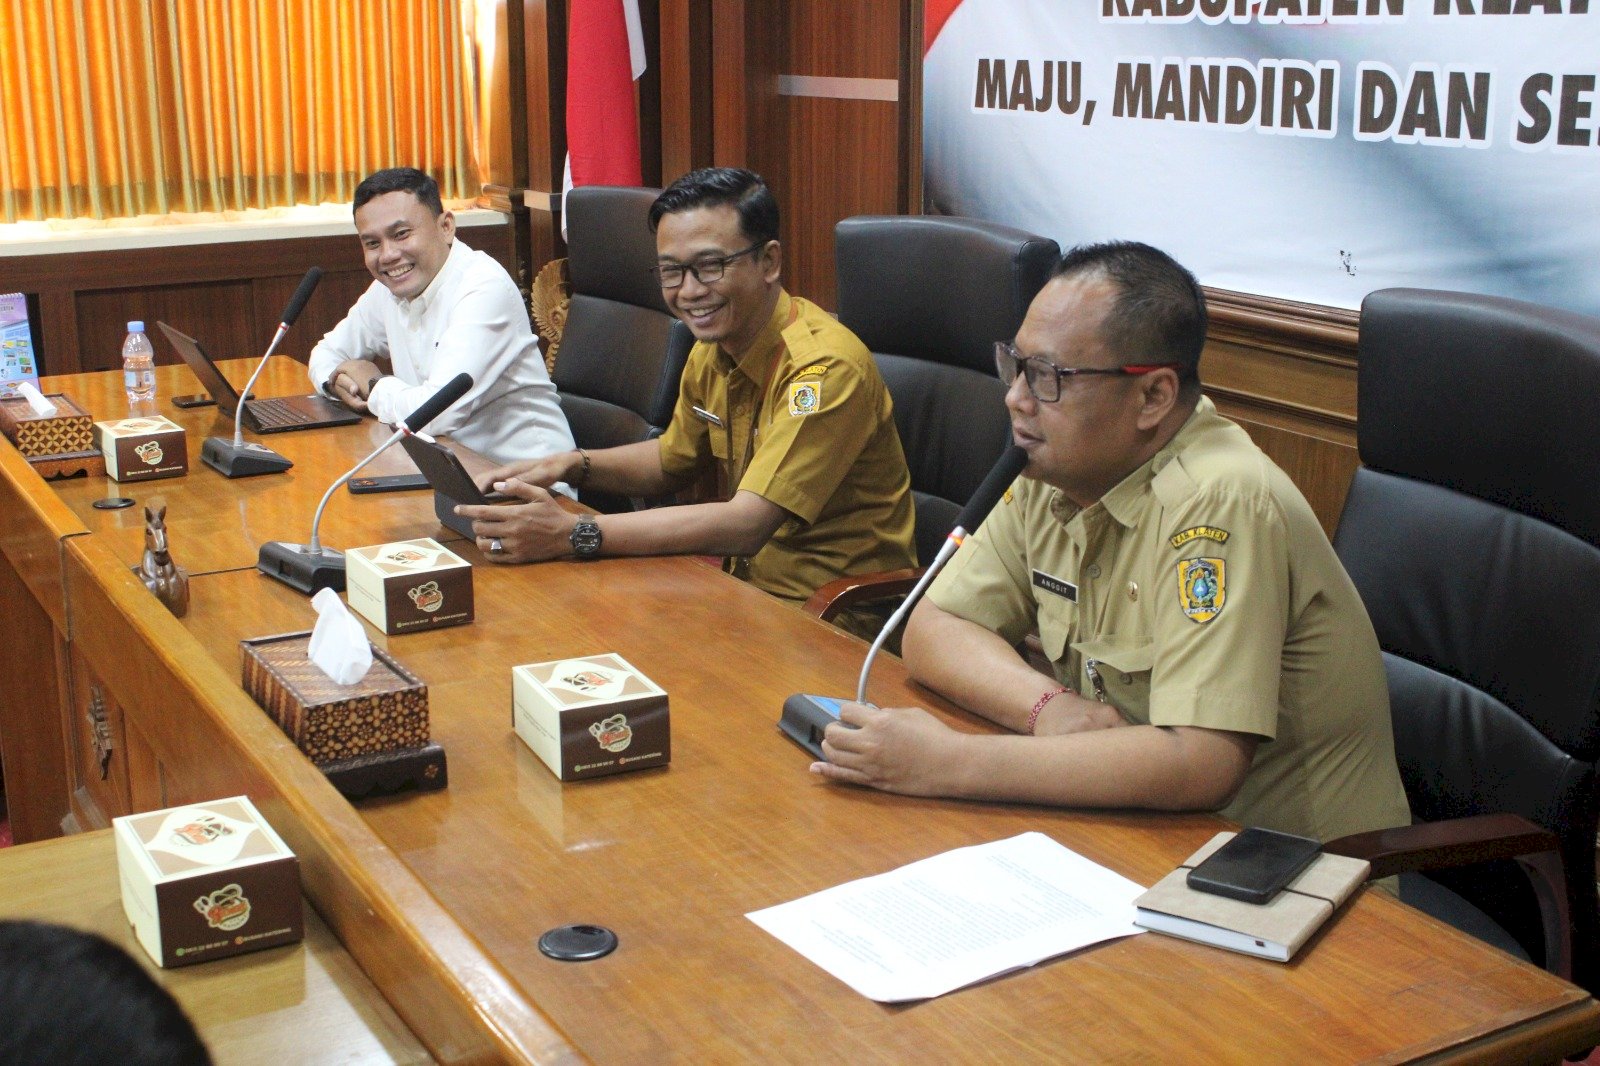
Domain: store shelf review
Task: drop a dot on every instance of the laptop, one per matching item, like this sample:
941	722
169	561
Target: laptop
276	414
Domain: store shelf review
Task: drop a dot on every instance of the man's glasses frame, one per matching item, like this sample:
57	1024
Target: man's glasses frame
705	271
1044	377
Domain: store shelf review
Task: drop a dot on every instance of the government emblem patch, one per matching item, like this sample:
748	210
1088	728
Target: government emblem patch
805	397
1202	588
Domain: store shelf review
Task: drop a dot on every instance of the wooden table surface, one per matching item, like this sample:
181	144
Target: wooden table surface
672	859
303	1003
215	523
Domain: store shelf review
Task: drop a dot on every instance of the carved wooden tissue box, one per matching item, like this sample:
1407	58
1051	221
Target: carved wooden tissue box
57	446
70	429
371	737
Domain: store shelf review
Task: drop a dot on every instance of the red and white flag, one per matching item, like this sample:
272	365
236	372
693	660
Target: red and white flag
605	55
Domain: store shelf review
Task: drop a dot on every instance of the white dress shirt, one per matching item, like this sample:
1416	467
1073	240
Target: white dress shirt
470	318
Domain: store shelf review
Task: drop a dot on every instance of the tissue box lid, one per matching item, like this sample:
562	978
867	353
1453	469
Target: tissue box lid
70	429
592	681
184	841
285	660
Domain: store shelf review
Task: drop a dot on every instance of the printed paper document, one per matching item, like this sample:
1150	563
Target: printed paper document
957	918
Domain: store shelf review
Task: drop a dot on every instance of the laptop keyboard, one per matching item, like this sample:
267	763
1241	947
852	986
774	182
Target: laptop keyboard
272	413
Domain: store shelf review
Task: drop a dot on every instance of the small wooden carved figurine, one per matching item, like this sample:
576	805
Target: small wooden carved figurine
159	573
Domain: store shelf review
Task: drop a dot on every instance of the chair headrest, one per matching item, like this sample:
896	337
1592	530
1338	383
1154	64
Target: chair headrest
610	248
1496	398
938	287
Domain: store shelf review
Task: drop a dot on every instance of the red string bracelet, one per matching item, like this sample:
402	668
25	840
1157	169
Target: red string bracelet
1033	715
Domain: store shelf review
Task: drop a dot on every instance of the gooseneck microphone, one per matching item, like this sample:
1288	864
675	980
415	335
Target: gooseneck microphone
805	717
309	567
238	458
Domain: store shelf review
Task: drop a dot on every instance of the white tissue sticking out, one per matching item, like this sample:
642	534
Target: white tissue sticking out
41	406
339	645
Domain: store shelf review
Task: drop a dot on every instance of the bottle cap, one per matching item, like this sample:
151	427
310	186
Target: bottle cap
135	327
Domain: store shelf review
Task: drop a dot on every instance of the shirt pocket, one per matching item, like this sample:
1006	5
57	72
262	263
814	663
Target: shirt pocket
1122	666
1056	616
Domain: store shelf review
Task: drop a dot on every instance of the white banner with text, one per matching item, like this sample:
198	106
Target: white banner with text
1308	150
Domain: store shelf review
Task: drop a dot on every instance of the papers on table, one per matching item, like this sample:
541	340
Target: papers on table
957	918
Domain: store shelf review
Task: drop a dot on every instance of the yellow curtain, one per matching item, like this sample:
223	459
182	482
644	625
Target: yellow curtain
113	108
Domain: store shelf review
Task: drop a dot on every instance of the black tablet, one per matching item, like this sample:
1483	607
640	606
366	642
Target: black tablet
443	469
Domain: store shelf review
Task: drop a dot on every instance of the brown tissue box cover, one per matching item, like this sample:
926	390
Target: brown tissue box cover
387	710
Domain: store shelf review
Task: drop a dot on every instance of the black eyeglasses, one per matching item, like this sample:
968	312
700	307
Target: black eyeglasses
705	271
1044	378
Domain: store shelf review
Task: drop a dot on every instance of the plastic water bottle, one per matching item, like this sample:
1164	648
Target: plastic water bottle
138	368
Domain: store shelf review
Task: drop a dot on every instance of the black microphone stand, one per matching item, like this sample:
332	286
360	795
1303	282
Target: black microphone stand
309	567
241	458
805	717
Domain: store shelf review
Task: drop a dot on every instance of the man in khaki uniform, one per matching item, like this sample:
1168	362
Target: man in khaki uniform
1208	650
779	404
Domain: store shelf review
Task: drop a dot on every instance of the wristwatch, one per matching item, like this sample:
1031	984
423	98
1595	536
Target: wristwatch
586	537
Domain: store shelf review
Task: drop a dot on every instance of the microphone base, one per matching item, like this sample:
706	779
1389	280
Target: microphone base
297	566
804	719
244	460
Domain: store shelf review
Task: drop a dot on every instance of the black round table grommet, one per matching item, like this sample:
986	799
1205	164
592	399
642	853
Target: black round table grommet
578	943
112	503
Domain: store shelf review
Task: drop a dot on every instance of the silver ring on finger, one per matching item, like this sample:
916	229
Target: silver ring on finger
495	547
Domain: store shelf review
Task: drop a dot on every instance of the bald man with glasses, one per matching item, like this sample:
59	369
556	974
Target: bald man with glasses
782	417
1207	650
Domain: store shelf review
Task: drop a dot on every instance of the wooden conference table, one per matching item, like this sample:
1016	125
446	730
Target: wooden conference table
441	897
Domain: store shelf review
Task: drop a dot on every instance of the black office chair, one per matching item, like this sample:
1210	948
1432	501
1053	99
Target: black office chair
929	295
621	353
1472	531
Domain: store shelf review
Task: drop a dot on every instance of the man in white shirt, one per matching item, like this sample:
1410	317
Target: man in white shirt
435	309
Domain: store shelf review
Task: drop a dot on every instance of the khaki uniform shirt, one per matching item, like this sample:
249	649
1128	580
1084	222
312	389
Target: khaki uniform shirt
1201	591
802	420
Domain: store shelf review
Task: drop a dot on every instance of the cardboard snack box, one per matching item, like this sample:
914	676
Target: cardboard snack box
408	586
591	717
143	448
206	881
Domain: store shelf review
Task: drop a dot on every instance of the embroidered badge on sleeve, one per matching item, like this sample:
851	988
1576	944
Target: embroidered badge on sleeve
805	397
1202	588
1178	540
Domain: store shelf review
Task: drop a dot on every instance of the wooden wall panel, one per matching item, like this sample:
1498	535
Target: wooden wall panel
220	314
1287	373
828	149
849	134
842	38
685	87
338	289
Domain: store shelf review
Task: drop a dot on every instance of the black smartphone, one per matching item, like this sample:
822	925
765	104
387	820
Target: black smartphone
443	470
194	399
360	486
1255	865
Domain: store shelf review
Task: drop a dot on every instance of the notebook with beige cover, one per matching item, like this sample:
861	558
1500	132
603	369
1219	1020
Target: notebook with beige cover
1273	930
